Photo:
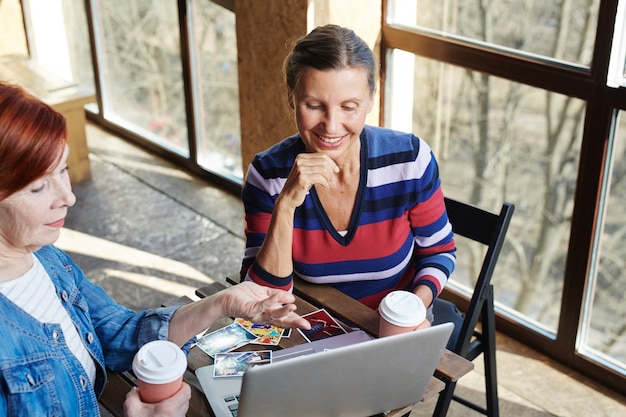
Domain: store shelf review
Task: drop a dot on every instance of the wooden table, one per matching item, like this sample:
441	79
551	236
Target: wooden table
450	368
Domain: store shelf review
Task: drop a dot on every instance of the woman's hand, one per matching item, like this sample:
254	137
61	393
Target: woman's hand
261	304
175	406
246	300
309	169
425	325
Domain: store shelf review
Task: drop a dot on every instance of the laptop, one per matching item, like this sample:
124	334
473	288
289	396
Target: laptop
357	377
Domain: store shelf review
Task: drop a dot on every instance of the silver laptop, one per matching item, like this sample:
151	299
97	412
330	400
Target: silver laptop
352	379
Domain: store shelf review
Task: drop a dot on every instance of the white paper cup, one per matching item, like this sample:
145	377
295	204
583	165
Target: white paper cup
400	312
159	367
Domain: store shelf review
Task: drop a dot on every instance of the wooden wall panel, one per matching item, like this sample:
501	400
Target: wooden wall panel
263	27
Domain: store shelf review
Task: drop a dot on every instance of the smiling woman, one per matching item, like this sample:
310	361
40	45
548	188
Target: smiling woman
316	201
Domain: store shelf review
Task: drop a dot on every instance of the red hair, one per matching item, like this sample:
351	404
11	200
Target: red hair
32	139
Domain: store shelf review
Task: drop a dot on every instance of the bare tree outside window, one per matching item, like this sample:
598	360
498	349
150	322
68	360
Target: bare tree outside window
499	140
141	66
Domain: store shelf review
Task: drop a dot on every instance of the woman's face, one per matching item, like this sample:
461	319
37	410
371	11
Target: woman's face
330	108
33	217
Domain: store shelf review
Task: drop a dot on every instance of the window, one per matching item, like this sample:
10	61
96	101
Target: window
511	142
214	54
617	65
603	330
562	30
601	337
168	76
58	39
13	40
139	60
514	100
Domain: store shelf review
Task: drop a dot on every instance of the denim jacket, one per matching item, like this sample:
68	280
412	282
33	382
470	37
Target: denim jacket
39	376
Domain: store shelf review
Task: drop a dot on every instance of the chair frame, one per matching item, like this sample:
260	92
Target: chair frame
489	229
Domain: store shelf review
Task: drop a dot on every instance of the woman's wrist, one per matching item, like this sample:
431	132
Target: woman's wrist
284	207
191	319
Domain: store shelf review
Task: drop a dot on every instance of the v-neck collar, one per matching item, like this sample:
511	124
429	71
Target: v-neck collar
358	204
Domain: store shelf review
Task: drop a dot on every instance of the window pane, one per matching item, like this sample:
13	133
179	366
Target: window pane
59	39
564	30
141	72
604	329
617	64
215	55
497	141
13	39
78	42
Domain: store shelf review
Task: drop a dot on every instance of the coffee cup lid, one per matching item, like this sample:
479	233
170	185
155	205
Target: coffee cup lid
402	308
159	362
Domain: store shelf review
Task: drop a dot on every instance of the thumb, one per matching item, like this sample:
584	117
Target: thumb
133	394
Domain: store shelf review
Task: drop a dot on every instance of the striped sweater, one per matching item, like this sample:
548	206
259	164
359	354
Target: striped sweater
399	236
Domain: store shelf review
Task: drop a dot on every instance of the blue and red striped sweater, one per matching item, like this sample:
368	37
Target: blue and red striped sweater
399	235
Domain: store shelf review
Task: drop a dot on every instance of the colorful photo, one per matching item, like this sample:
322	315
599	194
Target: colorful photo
266	333
322	326
225	339
236	363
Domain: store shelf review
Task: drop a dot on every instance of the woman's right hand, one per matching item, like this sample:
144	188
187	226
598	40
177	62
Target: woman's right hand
260	304
308	169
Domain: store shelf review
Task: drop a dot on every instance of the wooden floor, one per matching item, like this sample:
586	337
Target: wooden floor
146	232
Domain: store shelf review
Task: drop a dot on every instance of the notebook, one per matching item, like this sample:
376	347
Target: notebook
355	377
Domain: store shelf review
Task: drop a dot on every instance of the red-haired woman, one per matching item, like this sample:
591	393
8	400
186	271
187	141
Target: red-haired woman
58	330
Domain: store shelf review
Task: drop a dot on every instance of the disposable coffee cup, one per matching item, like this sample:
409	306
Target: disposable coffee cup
159	367
400	312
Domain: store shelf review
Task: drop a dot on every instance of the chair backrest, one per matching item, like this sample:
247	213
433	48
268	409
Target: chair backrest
489	229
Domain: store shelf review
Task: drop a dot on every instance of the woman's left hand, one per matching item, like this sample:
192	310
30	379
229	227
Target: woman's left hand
425	325
175	406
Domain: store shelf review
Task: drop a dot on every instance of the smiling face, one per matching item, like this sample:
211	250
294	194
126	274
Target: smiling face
33	216
330	108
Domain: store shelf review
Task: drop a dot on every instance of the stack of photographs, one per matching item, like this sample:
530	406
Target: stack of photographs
221	343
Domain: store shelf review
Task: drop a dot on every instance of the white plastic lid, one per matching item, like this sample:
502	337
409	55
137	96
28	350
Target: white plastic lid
159	362
402	308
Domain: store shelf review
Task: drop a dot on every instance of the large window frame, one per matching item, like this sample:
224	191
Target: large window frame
188	63
588	84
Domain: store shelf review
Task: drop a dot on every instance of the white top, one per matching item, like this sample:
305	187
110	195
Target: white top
34	293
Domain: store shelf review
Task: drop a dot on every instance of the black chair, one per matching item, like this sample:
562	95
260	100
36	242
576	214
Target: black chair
490	230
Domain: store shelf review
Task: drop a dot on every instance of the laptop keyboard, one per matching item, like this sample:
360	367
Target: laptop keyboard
232	402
